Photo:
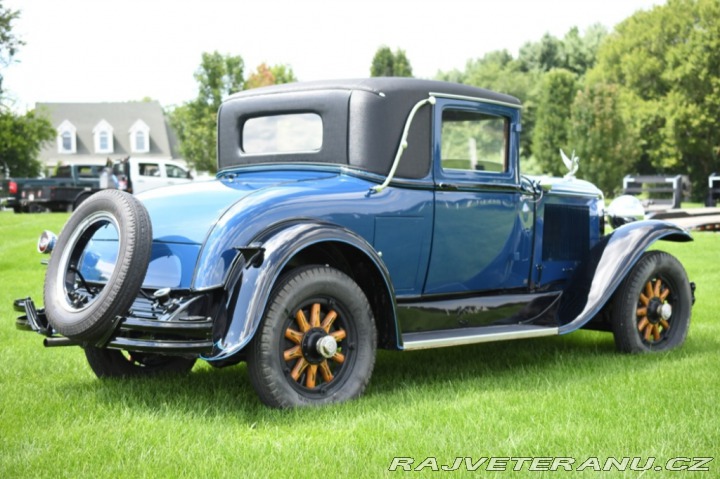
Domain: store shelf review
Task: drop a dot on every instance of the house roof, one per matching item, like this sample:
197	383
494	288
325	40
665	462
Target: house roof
120	116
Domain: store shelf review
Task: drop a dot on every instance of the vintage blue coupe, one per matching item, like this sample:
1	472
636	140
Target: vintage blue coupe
347	216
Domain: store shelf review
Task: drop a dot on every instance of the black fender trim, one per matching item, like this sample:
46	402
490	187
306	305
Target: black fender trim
260	266
607	265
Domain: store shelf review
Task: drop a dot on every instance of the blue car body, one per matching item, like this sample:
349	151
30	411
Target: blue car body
448	249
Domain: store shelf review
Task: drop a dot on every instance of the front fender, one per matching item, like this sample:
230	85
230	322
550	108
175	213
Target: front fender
607	265
260	266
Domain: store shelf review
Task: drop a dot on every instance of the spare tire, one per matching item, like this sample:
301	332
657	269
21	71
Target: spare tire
88	311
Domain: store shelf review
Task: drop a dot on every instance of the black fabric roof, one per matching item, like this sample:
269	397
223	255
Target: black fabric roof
362	121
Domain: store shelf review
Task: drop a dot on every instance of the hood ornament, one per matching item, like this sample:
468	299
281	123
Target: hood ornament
572	164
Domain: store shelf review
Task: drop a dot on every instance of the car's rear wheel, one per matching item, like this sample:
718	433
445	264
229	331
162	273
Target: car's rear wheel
316	344
109	363
652	308
87	311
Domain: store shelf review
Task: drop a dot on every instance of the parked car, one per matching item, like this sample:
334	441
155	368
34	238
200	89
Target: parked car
348	216
130	174
21	192
140	174
67	188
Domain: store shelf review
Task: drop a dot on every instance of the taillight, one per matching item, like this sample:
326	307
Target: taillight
46	243
12	188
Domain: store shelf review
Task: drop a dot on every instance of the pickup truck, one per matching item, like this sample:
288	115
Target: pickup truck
129	174
20	193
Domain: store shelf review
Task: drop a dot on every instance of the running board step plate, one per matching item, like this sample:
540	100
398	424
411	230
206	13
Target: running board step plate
486	334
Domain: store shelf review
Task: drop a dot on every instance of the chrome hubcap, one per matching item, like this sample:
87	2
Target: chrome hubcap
326	347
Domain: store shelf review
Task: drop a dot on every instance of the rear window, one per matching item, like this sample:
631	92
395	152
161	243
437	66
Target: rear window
289	133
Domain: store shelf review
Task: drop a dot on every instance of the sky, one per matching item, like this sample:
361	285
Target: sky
125	50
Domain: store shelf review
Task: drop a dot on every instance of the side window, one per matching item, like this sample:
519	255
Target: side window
149	169
474	141
86	172
175	172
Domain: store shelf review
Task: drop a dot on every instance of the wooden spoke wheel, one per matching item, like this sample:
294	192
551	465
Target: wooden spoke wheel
316	344
652	307
654	311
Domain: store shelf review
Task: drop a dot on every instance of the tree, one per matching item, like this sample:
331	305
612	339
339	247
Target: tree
666	64
21	136
605	145
385	63
574	52
579	53
543	55
195	122
218	76
265	76
552	119
524	77
9	43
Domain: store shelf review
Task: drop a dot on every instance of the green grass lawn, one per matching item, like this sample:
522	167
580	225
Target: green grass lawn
569	396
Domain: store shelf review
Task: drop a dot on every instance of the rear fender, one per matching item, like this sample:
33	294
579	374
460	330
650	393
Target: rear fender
607	265
260	264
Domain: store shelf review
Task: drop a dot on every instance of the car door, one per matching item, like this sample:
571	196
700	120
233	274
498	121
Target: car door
483	231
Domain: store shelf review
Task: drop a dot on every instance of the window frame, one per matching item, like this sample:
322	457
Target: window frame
139	127
66	128
277	118
103	128
453	177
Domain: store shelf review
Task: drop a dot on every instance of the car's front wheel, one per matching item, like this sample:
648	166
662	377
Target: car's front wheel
652	308
316	344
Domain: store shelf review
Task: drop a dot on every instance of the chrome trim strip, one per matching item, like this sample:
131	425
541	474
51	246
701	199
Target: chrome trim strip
502	333
472	98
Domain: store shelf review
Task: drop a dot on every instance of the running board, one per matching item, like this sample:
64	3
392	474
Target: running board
486	334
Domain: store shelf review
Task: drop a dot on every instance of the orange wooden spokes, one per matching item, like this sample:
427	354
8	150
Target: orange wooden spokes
649	289
328	321
311	375
292	353
298	369
325	372
303	371
315	315
302	321
654	291
294	336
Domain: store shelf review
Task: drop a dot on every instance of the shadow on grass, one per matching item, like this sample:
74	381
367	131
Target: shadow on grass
502	366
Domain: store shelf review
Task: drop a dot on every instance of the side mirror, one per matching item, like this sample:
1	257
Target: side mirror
625	209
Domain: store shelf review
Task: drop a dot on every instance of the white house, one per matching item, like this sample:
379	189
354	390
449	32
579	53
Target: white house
91	133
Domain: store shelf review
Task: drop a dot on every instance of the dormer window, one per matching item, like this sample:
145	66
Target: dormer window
140	137
67	138
103	135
